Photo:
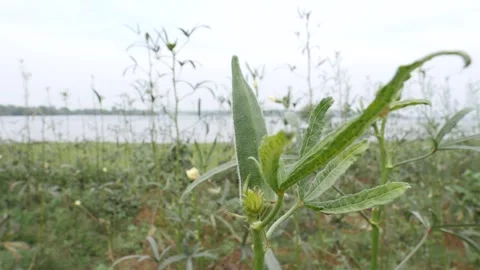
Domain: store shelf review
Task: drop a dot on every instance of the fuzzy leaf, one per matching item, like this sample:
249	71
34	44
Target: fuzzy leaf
320	156
249	129
315	125
451	123
334	169
397	105
362	200
270	151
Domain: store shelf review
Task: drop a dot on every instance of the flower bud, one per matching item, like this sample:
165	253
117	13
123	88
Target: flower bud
253	202
193	174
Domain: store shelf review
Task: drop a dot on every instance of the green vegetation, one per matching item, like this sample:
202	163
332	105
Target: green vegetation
324	197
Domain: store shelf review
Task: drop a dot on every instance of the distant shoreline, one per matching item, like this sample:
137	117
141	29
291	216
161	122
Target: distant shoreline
13	110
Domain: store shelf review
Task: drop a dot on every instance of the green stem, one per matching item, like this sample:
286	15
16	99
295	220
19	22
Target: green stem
258	248
178	142
377	211
454	226
375	238
273	213
415	249
415	159
258	234
383	153
283	218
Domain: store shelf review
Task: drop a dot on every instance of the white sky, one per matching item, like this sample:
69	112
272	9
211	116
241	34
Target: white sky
64	42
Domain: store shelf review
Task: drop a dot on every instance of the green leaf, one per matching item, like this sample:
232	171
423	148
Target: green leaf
270	151
303	188
154	247
397	105
204	254
461	140
451	123
362	200
315	125
465	239
172	259
249	129
189	264
210	152
460	147
322	153
421	218
334	169
129	257
207	175
200	153
271	260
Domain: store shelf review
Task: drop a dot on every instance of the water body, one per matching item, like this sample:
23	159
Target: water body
137	129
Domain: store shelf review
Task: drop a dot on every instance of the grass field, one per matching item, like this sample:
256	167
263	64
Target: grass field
123	201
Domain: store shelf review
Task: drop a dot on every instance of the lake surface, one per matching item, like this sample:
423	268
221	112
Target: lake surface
118	128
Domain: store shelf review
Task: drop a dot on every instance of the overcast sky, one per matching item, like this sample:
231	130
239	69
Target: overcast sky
64	42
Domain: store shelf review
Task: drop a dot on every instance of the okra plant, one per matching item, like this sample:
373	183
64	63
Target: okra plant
265	175
387	163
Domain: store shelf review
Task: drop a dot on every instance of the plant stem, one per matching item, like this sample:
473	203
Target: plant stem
375	238
414	250
415	159
258	234
385	170
283	218
377	211
309	62
258	248
178	142
454	226
274	211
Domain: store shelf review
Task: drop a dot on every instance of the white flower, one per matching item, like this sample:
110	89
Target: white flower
193	173
78	203
272	98
105	169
